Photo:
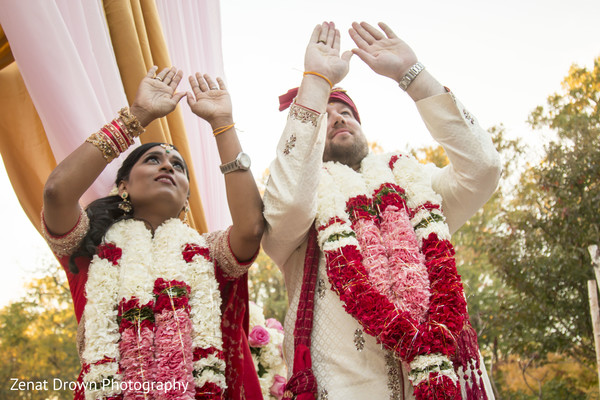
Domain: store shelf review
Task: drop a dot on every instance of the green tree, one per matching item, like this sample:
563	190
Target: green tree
540	245
538	242
37	339
558	378
267	288
434	154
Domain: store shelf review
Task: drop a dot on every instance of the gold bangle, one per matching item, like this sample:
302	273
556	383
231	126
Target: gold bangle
131	123
222	129
103	144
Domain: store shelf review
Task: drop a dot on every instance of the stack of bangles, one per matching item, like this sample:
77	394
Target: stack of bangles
116	136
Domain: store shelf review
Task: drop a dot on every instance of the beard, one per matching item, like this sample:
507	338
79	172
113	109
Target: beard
350	154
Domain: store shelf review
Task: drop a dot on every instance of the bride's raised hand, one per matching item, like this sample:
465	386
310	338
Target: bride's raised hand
210	100
156	95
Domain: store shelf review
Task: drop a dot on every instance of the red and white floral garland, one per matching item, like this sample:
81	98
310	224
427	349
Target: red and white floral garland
153	317
389	258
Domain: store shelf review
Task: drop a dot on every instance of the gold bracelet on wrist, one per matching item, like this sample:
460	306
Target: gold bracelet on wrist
132	126
104	145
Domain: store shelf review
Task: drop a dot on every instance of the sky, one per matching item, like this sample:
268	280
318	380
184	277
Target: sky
501	59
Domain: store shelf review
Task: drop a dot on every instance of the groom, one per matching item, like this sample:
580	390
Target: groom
376	307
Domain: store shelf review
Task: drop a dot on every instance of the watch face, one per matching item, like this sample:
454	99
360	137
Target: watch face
241	162
244	161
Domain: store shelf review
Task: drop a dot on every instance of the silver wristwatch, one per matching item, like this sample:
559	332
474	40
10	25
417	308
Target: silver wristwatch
411	75
241	162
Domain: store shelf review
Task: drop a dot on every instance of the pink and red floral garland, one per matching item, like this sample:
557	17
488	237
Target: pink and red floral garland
136	346
427	340
155	339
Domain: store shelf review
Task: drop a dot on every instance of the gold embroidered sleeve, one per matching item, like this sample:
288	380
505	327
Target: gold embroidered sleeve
303	115
66	244
220	251
80	337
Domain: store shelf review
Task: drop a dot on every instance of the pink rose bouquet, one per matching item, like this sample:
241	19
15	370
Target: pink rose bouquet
265	340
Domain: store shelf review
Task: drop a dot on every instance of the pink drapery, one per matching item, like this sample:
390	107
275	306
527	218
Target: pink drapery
192	30
65	56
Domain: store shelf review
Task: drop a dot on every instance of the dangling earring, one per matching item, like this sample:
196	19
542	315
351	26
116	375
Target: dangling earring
125	205
185	215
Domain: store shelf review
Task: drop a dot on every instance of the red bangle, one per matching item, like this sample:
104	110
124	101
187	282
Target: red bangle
113	141
117	136
128	140
123	129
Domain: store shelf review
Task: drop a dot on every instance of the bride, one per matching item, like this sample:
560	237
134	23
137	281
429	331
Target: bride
161	308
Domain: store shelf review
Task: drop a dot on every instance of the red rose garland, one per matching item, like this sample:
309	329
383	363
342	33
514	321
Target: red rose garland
110	252
429	344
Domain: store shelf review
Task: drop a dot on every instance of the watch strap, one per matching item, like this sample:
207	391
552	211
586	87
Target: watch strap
236	164
410	76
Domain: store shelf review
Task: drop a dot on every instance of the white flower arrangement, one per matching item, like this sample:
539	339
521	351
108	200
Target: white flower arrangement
422	366
265	339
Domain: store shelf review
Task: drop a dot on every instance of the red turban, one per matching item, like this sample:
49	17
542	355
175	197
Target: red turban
337	94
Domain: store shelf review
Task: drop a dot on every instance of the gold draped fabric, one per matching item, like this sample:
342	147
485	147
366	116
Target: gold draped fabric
6	56
138	42
21	135
25	149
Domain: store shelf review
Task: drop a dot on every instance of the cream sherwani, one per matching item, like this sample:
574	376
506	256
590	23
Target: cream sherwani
348	363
